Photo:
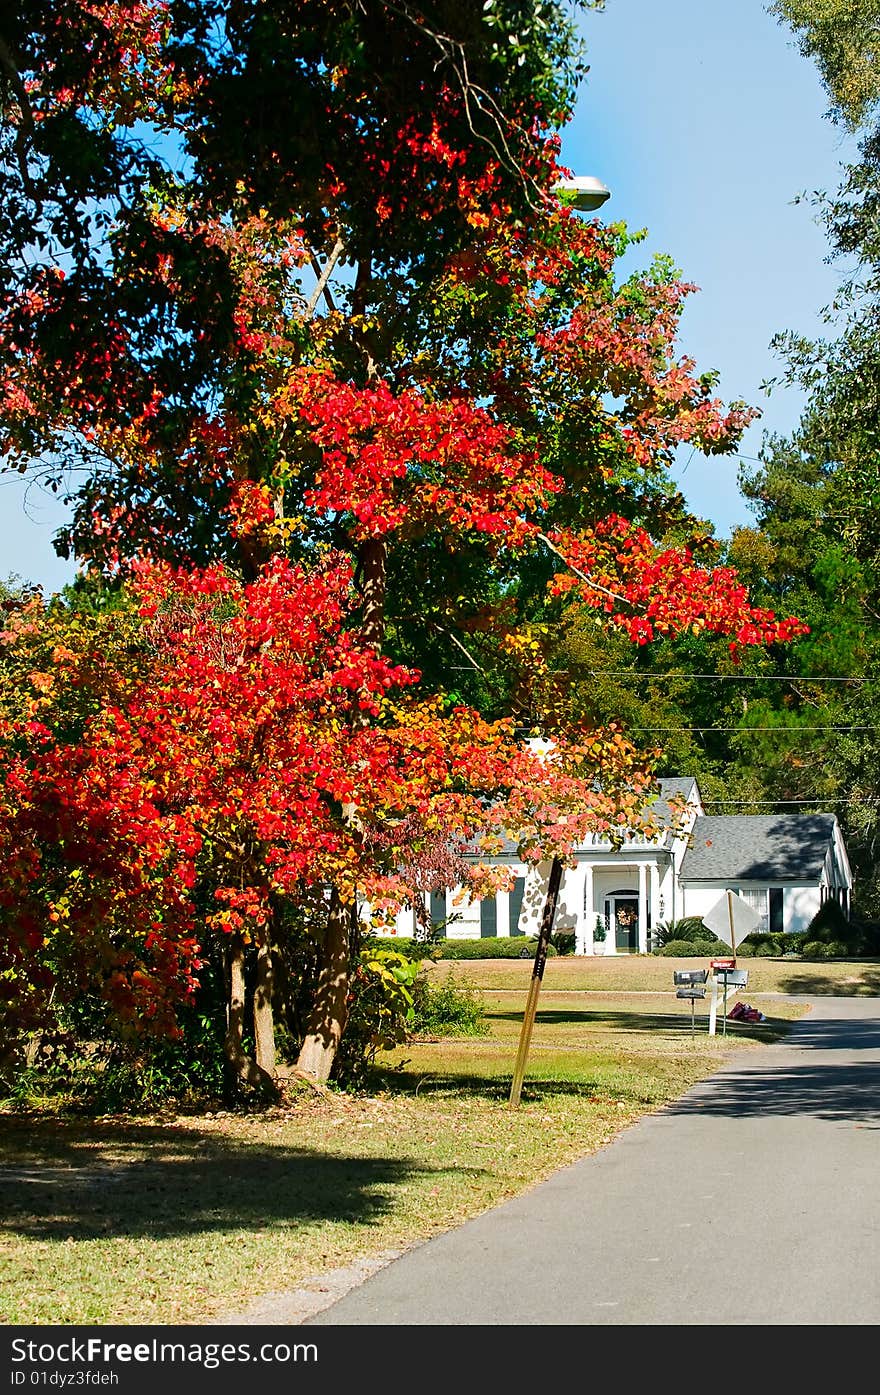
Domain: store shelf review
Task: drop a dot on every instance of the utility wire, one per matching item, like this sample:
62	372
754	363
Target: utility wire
723	677
818	799
795	731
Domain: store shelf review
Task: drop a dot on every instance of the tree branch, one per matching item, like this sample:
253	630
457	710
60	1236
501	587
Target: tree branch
26	126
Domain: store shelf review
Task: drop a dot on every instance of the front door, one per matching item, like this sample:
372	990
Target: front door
625	914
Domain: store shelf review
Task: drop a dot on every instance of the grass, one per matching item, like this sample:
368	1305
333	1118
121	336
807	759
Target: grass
652	973
185	1219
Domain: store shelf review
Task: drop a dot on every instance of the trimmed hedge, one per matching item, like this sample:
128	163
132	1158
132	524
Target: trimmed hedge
769	945
694	949
827	949
492	947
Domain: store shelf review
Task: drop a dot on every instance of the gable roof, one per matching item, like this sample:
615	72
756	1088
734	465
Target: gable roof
671	787
758	847
668	787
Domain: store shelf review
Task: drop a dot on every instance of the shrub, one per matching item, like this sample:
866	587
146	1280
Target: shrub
768	945
869	931
492	947
447	1010
689	927
830	923
760	942
827	949
830	927
107	1076
702	949
564	941
380	1010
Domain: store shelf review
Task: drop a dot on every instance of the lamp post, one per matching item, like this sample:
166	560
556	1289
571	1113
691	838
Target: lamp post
589	192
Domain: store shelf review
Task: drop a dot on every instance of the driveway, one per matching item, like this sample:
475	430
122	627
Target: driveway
755	1199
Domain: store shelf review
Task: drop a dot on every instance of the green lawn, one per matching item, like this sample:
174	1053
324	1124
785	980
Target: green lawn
172	1219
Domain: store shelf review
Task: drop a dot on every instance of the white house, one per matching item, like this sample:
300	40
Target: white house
785	865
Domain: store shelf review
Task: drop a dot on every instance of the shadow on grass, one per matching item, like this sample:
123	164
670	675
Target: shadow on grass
56	1184
813	980
495	1089
645	1022
622	1021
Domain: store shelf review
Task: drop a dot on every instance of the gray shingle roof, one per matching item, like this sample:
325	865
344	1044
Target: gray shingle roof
758	847
660	811
670	786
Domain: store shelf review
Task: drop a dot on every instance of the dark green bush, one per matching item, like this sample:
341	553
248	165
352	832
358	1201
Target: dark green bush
447	1010
844	939
771	945
702	949
108	1077
492	947
827	949
869	931
830	923
690	927
762	943
564	941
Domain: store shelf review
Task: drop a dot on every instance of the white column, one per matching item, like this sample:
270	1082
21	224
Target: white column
643	908
502	913
654	885
586	914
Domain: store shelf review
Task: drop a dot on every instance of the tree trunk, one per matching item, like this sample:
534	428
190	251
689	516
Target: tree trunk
264	1025
242	1066
374	556
329	1012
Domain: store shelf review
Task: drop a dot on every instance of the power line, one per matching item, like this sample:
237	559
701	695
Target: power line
819	799
722	677
714	677
794	731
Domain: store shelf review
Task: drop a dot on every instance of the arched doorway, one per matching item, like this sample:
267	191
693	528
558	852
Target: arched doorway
622	921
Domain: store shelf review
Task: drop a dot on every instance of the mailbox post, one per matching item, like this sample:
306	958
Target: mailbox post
690	983
731	977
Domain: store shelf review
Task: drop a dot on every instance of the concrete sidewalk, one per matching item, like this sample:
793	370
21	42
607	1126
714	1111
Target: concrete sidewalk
755	1199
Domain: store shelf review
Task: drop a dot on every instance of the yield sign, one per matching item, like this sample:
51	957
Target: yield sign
731	919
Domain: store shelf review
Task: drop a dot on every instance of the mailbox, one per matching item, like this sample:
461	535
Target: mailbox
691	993
736	978
690	975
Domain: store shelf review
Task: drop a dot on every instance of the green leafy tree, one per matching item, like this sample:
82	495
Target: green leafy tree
843	37
338	302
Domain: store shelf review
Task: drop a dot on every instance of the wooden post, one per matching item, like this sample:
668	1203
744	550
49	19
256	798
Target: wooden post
733	952
547	918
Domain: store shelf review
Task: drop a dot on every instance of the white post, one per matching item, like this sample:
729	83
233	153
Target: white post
655	898
502	913
713	1006
587	918
643	908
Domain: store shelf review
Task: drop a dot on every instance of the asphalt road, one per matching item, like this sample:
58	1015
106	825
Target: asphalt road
753	1200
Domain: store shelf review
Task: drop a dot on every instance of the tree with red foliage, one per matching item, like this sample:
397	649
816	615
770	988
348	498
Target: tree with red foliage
206	740
356	312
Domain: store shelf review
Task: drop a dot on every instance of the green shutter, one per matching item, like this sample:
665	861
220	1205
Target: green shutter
488	917
517	892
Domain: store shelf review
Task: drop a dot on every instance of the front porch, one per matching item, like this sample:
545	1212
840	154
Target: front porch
619	905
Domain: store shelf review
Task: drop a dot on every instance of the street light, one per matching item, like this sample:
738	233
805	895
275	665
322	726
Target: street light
589	192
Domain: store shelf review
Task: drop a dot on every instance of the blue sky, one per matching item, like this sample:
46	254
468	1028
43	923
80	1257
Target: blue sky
706	124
